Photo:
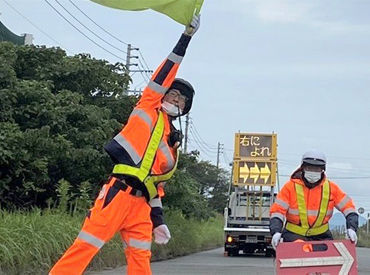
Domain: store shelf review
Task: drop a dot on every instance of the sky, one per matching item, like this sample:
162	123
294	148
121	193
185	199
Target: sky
300	69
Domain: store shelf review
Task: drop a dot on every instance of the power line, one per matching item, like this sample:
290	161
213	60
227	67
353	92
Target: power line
144	69
197	136
29	21
200	149
226	158
200	146
102	39
97	24
144	60
77	29
199	143
200	138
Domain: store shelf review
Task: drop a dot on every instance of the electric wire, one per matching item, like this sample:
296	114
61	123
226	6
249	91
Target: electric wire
211	148
144	60
225	159
145	68
97	36
100	27
196	140
141	83
200	146
195	128
141	69
146	71
29	21
77	29
202	151
205	145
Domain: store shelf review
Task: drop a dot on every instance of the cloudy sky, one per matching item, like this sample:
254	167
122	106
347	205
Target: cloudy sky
300	69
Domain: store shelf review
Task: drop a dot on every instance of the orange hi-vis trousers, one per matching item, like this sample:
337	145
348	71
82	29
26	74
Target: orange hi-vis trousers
114	210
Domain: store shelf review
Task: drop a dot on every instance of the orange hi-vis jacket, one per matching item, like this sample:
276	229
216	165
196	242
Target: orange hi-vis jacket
307	211
134	138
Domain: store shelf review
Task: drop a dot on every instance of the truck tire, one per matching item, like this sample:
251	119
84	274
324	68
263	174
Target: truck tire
270	253
233	252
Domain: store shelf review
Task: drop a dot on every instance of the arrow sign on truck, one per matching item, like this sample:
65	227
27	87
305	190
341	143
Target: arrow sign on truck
254	172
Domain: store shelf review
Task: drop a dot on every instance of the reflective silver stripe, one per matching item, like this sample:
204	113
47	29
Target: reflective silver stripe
343	202
282	203
166	151
349	211
175	58
128	147
155	202
329	212
312	212
144	116
293	211
140	244
87	237
157	88
278	215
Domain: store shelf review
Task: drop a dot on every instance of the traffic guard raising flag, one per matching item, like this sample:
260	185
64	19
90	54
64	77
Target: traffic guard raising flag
181	11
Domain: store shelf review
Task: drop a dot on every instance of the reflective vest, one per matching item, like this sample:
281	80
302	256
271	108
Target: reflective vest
143	172
153	160
318	227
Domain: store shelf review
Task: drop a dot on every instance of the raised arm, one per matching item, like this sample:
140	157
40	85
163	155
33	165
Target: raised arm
165	74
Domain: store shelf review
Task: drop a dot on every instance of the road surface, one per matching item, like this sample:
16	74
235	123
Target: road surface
213	262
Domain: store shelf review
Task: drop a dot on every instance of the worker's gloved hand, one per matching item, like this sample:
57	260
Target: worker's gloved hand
351	234
161	234
175	139
276	239
193	26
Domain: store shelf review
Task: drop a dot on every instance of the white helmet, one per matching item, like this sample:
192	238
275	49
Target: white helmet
314	157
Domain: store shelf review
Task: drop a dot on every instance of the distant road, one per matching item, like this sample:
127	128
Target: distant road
213	262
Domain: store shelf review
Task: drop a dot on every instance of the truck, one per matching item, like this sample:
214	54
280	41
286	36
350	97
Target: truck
251	194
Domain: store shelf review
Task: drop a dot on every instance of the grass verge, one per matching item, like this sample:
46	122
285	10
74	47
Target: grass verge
31	242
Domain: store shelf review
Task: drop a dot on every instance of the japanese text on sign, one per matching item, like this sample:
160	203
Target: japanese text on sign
256	146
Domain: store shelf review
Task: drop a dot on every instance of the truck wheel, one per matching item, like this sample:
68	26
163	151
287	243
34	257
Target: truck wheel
233	252
270	253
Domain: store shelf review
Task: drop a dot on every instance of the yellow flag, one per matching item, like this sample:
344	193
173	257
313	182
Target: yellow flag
181	11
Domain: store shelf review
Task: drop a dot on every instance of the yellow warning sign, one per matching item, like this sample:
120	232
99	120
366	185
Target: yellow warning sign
254	173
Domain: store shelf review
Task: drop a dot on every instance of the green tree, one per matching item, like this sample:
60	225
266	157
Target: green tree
57	112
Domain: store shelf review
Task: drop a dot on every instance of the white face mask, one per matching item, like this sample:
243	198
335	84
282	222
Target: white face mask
171	109
312	177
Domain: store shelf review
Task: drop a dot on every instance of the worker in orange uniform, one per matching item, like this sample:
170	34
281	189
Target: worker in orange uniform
306	202
145	153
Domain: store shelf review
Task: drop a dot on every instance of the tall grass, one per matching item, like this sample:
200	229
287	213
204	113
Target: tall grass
362	235
31	242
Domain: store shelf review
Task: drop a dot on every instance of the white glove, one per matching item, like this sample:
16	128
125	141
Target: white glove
161	234
193	26
276	239
351	234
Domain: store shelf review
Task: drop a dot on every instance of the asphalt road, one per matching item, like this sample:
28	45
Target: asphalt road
213	262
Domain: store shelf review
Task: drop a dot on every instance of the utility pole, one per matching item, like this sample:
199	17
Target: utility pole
129	56
219	151
186	132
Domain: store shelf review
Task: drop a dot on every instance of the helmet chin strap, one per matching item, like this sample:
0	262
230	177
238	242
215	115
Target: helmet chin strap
179	116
